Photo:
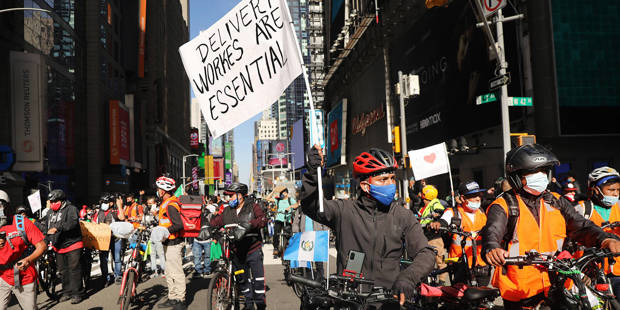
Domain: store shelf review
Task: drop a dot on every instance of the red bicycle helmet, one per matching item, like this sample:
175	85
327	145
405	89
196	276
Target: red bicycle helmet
373	162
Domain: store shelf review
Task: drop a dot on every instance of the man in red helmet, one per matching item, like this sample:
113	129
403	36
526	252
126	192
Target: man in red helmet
373	223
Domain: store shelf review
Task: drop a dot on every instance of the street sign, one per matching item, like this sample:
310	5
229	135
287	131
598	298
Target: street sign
486	98
490	7
499	81
520	101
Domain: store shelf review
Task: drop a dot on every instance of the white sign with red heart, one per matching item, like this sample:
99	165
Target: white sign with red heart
429	161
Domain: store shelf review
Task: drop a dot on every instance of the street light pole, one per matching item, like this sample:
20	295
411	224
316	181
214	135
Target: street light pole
504	89
403	132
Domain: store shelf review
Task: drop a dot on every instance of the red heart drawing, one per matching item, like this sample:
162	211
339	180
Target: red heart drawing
430	158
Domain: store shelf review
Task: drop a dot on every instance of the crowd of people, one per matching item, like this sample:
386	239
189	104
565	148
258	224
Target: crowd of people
528	209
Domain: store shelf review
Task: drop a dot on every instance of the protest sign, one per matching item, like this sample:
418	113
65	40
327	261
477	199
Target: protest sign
96	236
242	64
35	201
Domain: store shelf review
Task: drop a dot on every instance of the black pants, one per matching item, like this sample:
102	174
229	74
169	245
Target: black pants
70	272
252	280
277	230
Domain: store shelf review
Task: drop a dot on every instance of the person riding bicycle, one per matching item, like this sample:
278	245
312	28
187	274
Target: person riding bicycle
65	235
471	219
170	218
134	212
431	210
372	224
283	203
529	217
108	214
602	207
248	250
16	266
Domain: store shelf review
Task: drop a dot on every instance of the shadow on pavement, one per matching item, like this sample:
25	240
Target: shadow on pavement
147	298
193	286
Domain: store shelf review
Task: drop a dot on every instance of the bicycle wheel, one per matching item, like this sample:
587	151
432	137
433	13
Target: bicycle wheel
49	279
217	296
87	264
298	289
125	298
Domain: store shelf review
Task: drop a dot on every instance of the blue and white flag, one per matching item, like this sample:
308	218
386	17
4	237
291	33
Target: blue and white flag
308	246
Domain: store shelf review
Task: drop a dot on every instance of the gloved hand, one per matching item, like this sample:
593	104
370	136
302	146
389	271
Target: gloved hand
315	158
404	290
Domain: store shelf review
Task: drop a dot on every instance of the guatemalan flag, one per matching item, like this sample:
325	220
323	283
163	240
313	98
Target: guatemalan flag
308	246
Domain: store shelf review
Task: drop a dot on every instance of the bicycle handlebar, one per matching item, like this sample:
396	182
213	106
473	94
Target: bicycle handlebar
456	231
304	281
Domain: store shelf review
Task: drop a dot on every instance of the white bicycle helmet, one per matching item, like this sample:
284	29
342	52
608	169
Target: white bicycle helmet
601	175
4	196
165	183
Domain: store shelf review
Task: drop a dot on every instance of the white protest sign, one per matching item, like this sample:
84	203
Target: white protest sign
242	64
429	161
35	201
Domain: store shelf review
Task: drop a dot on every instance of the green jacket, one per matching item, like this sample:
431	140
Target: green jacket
426	215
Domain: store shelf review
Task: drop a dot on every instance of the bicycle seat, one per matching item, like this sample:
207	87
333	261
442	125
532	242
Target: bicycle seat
476	293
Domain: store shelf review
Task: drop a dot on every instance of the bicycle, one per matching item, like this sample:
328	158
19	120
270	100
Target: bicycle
591	288
47	273
223	292
346	292
458	295
132	274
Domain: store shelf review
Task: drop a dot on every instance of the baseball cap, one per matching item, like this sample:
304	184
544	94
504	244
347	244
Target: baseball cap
469	188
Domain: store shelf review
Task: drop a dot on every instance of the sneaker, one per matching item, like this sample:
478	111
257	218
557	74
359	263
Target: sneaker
170	303
76	299
118	280
64	298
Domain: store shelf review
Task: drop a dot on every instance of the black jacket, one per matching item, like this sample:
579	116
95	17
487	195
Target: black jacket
67	223
365	226
577	227
251	213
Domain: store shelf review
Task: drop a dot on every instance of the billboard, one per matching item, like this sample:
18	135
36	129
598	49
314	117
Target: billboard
218	168
28	97
216	147
297	145
119	133
193	138
336	134
227	155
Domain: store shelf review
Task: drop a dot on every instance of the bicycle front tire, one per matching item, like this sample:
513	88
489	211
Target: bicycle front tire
125	298
217	296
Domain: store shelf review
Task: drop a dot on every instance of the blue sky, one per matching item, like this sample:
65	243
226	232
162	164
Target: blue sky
204	13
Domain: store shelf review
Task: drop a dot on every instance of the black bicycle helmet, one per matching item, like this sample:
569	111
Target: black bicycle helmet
237	188
56	195
373	162
107	197
526	159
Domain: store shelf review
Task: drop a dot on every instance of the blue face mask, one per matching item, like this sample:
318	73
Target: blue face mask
233	203
536	183
609	200
473	205
383	194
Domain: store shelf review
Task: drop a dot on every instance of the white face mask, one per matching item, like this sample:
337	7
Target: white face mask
105	206
536	183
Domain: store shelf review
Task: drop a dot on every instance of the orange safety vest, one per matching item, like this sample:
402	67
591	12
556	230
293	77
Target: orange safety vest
164	219
480	219
547	237
134	213
614	216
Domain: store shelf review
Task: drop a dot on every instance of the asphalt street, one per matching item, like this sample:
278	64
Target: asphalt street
153	291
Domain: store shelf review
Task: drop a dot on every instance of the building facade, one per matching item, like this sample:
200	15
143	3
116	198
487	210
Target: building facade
114	107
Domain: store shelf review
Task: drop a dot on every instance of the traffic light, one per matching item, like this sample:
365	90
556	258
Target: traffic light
519	139
396	139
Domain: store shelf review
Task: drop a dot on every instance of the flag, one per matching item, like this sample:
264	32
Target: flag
308	246
179	191
429	161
